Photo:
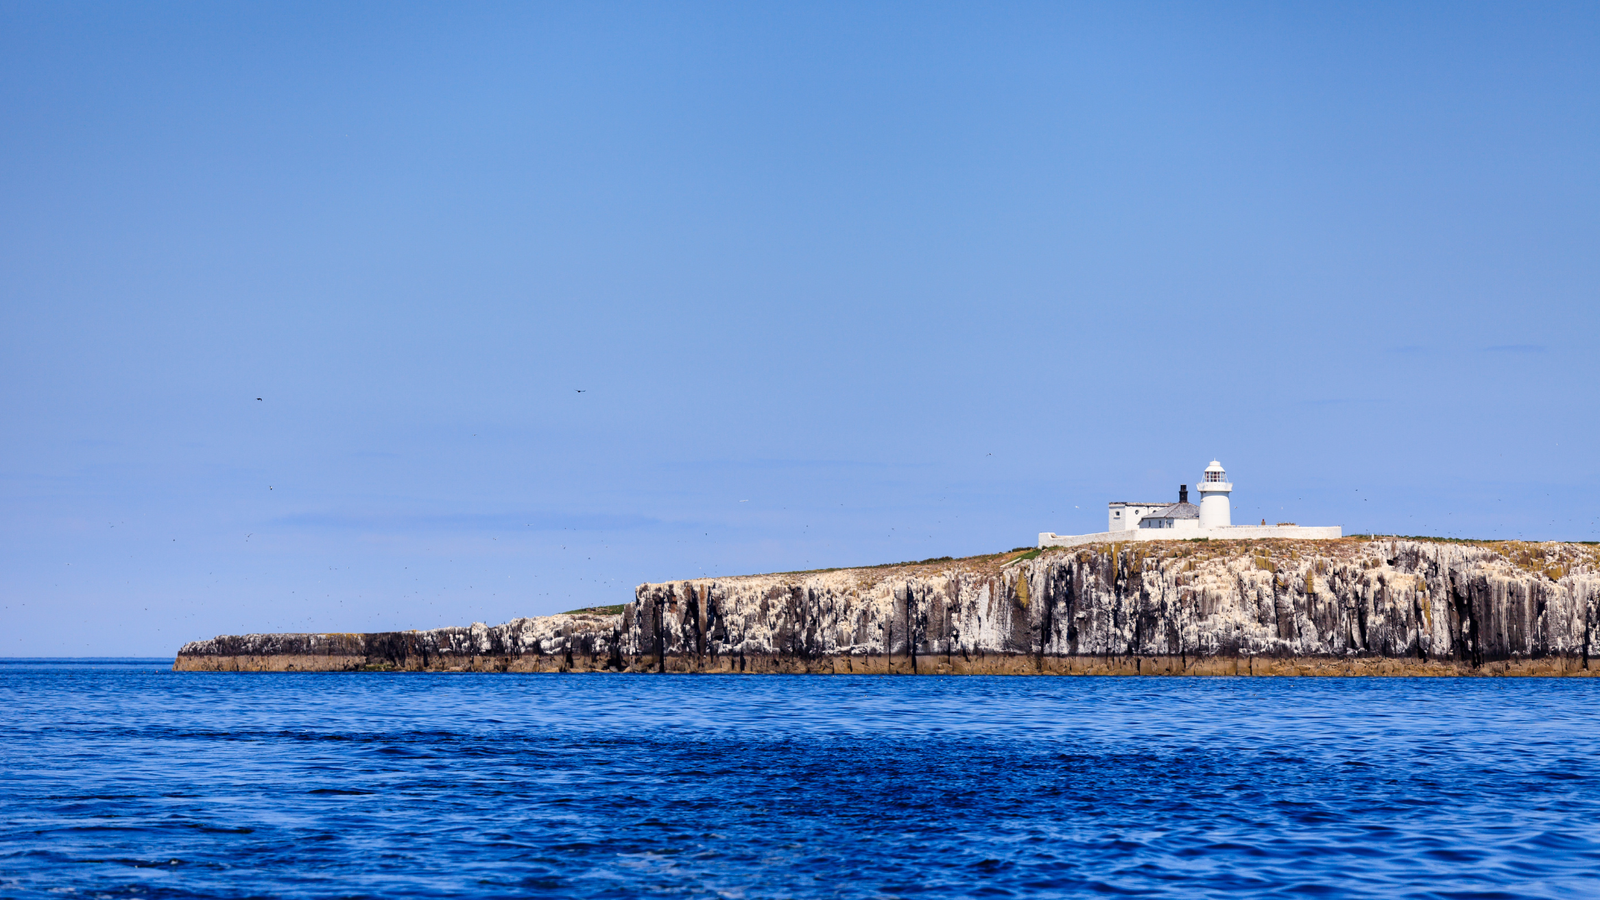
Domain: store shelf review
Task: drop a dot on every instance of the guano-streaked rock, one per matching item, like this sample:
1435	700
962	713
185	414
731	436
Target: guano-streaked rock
1352	606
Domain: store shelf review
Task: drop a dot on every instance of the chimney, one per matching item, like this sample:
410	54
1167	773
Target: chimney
1183	493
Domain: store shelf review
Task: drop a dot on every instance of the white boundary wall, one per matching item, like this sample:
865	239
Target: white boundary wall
1229	533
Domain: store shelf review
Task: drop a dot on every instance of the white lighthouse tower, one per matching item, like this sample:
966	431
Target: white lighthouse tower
1215	511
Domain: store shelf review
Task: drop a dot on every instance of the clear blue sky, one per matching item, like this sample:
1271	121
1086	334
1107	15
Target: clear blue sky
841	284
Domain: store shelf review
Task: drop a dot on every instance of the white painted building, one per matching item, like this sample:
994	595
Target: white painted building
1124	515
1183	520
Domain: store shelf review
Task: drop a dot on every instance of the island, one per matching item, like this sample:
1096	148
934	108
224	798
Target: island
1357	605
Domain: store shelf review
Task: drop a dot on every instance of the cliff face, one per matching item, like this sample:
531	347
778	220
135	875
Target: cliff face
545	644
1247	607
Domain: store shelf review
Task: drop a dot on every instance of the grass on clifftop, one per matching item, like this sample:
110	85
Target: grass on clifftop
1476	542
1525	554
597	610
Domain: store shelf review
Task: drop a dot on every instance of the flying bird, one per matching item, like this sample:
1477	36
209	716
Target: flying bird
258	398
580	390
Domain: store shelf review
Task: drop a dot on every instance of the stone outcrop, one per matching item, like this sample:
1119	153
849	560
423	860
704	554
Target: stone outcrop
568	642
1351	606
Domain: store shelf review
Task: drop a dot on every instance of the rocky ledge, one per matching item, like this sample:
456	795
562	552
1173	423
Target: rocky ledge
1266	607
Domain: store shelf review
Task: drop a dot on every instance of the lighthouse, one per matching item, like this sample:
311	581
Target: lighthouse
1183	521
1214	487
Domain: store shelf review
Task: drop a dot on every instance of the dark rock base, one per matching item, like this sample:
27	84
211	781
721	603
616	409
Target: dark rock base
977	664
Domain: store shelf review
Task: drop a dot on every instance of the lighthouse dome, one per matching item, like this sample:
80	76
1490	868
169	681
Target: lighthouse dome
1214	472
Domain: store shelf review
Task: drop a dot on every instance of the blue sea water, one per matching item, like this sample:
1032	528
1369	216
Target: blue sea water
122	779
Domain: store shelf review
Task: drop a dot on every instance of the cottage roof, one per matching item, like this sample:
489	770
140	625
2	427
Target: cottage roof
1176	511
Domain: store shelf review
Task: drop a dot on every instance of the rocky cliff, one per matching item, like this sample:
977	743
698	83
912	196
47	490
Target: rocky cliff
1349	606
564	643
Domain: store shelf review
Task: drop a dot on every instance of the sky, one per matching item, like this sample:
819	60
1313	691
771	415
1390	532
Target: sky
357	317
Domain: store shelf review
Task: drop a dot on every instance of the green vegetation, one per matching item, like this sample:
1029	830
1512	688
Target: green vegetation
909	562
1419	537
597	610
1261	552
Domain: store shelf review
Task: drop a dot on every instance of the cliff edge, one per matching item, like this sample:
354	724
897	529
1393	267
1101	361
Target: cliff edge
1266	607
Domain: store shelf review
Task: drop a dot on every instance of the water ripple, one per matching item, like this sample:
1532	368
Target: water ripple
133	781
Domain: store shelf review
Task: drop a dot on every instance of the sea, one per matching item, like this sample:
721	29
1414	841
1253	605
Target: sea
121	778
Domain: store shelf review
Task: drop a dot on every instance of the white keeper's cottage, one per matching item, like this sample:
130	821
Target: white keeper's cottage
1213	518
